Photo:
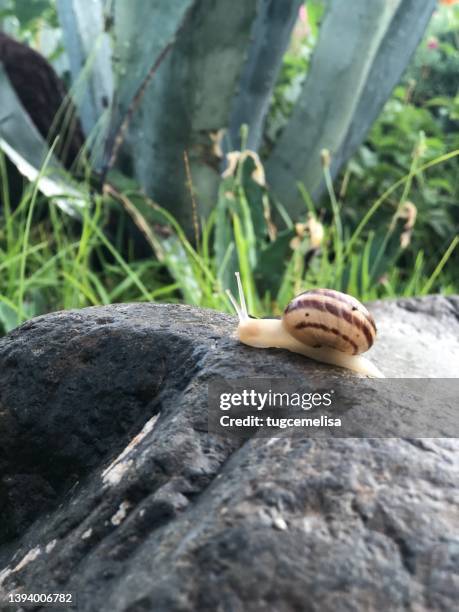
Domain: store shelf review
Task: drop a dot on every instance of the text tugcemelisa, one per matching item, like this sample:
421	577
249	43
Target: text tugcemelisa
279	422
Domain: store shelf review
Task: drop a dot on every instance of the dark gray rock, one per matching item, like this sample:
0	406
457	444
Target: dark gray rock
112	488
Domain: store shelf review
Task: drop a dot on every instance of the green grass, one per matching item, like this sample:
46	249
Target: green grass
49	261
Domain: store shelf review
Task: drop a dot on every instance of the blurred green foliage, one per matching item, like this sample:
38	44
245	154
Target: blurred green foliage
25	18
435	67
419	122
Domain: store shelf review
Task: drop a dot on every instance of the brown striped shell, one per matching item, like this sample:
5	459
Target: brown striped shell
324	317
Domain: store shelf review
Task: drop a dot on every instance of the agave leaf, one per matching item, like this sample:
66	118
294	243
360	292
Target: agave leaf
273	261
187	107
54	188
141	37
181	269
24	146
16	127
270	37
396	49
89	51
361	52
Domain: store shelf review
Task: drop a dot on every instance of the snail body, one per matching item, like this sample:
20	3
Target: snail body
322	324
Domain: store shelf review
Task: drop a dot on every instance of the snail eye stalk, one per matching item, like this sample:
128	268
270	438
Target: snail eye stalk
241	309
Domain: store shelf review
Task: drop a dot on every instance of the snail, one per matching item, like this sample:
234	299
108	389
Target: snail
322	324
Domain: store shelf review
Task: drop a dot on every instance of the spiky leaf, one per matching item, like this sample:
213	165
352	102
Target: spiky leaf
362	49
188	105
89	51
143	33
270	37
23	145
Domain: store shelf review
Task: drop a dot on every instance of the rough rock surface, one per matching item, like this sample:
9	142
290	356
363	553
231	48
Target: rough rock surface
112	488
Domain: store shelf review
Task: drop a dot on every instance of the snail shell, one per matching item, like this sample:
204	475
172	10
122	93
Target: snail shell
322	324
324	317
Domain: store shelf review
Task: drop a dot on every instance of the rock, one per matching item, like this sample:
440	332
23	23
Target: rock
113	489
418	337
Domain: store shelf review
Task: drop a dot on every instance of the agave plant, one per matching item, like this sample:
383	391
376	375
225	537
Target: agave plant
153	80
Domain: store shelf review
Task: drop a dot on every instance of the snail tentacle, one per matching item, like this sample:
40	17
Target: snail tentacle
241	309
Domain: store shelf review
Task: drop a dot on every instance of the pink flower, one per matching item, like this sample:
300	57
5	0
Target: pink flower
303	15
432	43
